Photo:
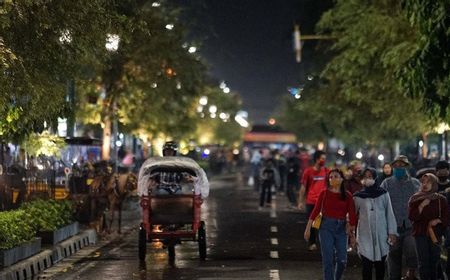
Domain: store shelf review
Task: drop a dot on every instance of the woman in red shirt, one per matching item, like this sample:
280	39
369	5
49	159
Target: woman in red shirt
335	204
428	212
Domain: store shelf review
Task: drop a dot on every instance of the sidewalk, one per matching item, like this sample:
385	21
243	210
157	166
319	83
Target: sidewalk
87	240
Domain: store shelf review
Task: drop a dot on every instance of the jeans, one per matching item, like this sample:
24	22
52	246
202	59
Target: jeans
405	246
333	247
312	238
428	254
367	266
290	192
265	191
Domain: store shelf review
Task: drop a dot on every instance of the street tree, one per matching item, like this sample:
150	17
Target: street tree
216	124
149	81
427	73
358	99
41	45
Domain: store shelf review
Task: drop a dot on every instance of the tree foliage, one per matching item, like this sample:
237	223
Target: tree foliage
35	62
359	99
150	82
217	130
427	72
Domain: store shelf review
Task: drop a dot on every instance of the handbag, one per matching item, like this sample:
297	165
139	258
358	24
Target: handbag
318	220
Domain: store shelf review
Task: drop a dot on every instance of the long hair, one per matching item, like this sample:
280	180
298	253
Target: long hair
342	188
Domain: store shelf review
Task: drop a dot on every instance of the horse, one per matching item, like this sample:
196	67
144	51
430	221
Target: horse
118	188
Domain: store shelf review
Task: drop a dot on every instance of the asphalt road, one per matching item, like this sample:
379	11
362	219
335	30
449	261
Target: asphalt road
243	243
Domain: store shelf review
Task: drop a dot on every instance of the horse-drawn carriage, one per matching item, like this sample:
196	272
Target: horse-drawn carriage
172	190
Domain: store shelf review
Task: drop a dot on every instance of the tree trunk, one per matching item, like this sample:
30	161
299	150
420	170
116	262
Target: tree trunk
2	158
106	148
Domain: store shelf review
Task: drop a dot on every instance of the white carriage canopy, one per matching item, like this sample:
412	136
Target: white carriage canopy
201	184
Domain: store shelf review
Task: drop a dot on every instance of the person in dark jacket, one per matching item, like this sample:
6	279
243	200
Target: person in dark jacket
442	172
292	180
428	212
269	178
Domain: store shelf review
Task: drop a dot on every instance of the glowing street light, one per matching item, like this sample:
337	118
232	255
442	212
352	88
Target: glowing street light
170	26
226	90
359	155
112	42
156	4
213	109
380	157
192	49
241	118
66	37
203	100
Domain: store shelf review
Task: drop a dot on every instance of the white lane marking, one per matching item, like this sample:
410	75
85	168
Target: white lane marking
274	254
274	274
273	214
274	241
273	229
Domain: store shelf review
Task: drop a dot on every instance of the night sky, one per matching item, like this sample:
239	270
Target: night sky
248	44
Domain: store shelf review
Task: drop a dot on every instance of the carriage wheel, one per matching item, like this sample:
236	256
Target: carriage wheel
202	241
171	249
142	243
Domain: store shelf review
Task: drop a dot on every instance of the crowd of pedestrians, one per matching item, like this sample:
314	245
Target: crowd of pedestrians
396	223
401	221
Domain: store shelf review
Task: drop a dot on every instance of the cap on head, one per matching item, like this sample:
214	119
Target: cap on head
170	148
401	158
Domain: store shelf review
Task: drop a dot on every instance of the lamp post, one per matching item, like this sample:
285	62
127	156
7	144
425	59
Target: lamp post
66	38
112	45
442	129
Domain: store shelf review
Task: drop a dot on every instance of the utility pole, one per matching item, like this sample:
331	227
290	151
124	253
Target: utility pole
298	38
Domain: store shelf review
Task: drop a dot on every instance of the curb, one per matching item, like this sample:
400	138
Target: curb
32	266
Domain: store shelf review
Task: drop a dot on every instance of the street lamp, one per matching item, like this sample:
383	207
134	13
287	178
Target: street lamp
112	45
192	49
442	129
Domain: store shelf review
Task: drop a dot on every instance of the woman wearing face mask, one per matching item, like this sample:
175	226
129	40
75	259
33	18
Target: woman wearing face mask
377	227
334	203
428	212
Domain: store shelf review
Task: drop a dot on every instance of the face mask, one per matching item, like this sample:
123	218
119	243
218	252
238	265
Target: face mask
399	172
335	182
368	182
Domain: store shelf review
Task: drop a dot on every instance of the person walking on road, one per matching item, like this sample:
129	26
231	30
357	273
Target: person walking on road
386	173
377	227
335	204
353	180
255	162
401	187
428	212
292	179
313	183
269	178
443	172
